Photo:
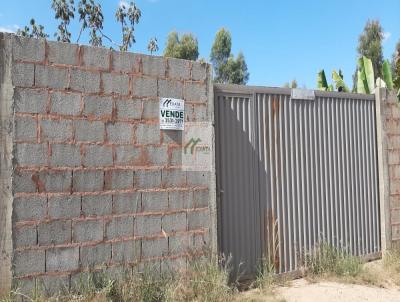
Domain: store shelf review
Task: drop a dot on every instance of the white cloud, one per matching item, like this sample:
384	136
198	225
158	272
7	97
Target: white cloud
386	36
9	28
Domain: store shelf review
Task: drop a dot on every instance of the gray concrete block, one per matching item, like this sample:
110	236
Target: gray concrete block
89	131
28	262
174	222
154	201
54	232
98	156
199	71
64	155
85	81
173	266
178	69
68	206
30	100
180	200
62	259
126	251
200	241
31	154
198	219
29	208
97	205
148	134
96	57
127	202
23	74
147	225
127	155
25	128
201	198
176	156
158	156
51	77
129	109
22	182
172	137
145	179
170	89
153	66
151	110
88	181
198	178
65	103
53	285
189	112
98	255
119	133
118	179
115	83
200	113
154	248
25	286
55	181
125	61
56	130
25	236
62	53
144	87
173	178
88	230
195	92
119	227
97	106
28	49
179	244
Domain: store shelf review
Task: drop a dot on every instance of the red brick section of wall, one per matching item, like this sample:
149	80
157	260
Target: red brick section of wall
391	125
96	184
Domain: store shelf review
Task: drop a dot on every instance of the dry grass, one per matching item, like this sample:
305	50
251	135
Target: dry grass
204	280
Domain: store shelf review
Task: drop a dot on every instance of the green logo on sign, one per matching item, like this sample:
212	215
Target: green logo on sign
193	142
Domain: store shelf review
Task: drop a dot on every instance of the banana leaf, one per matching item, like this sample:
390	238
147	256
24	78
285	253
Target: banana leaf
322	84
360	83
387	74
366	80
338	79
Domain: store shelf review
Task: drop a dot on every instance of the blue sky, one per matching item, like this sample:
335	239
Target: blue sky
281	39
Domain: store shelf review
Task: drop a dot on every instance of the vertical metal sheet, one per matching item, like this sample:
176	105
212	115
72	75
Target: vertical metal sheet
293	173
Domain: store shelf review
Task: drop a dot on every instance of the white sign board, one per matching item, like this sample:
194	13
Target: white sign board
172	114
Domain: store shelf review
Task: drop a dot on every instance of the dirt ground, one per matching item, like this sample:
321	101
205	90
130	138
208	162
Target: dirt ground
303	290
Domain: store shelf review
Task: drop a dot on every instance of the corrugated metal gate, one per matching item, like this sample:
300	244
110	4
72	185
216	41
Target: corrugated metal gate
294	172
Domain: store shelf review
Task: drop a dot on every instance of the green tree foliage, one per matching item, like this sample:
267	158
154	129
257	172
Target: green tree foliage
370	45
184	47
292	84
33	31
128	17
64	11
90	18
153	45
396	65
227	69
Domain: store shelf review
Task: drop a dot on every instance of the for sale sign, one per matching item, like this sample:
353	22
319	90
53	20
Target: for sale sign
172	114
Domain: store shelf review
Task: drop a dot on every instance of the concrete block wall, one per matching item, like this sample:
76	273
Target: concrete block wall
95	184
390	112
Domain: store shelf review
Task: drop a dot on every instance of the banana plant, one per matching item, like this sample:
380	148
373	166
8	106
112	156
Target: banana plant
339	82
322	83
387	74
365	76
